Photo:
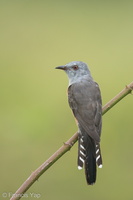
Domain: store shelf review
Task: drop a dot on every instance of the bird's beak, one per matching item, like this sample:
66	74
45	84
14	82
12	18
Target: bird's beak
61	67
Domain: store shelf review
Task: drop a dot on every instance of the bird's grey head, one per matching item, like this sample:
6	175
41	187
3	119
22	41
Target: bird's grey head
76	71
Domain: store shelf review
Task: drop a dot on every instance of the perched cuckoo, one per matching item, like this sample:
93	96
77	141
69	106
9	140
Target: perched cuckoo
84	99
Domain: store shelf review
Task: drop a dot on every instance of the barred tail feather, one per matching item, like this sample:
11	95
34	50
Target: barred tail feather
98	156
86	156
81	153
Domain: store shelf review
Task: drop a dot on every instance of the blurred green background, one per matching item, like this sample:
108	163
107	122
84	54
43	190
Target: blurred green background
35	119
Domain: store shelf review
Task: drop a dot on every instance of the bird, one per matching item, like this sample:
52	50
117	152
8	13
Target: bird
84	98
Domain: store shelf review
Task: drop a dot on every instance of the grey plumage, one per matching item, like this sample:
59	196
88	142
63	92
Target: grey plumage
84	98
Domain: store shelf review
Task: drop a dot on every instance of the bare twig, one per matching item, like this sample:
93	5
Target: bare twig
66	146
127	90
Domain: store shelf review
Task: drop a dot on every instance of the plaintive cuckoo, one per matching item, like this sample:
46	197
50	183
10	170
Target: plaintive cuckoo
84	99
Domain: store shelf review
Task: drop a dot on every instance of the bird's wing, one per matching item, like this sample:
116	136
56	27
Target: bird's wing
85	101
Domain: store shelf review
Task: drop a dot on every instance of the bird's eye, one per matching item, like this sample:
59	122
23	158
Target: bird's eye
75	67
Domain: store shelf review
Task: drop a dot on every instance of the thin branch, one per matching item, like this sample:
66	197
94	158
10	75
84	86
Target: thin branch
66	146
127	90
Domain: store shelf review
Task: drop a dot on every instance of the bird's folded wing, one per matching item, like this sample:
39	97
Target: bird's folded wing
85	101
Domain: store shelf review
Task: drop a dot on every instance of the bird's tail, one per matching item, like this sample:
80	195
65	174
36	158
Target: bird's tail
87	157
98	156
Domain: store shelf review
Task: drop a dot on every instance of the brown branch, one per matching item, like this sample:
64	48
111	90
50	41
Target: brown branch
127	90
66	146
